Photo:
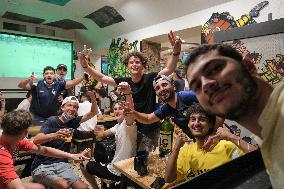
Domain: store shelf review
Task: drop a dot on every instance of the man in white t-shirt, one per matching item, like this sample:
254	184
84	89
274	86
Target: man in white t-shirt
26	103
125	132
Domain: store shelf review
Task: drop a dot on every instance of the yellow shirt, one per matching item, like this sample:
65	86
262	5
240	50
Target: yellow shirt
271	121
192	162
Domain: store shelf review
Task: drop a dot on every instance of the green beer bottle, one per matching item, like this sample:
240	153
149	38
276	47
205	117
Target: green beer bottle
166	137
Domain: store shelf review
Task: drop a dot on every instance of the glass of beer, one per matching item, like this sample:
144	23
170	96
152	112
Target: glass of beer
99	131
68	137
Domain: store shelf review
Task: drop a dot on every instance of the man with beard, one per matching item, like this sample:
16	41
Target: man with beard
226	87
190	160
142	92
45	93
174	104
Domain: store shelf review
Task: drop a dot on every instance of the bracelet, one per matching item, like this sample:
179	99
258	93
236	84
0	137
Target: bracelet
85	66
176	54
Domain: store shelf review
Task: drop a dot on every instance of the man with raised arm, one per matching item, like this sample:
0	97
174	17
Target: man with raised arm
45	93
15	128
56	172
141	84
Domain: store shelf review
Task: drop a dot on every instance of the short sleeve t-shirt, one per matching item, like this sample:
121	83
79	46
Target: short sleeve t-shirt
7	171
184	100
45	100
192	161
144	97
52	125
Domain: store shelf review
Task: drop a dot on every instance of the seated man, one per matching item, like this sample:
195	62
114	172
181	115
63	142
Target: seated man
56	172
26	103
125	132
15	128
190	160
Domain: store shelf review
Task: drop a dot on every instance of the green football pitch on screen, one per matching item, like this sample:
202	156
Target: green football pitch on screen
21	55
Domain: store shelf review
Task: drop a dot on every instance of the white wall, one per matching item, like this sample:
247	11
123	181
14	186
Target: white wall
235	8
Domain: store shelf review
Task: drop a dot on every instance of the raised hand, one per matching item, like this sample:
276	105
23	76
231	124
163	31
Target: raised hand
91	94
181	139
32	77
210	142
84	56
223	133
175	42
124	87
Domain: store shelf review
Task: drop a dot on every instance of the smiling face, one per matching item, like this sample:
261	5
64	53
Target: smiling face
118	112
135	65
199	125
61	72
221	84
164	90
49	76
70	108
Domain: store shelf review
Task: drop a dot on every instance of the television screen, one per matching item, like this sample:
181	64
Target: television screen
21	55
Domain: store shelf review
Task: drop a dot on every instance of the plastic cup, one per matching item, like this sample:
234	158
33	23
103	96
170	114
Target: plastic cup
99	132
68	138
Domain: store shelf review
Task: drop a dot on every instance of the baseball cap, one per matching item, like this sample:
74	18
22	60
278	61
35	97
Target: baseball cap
69	99
61	66
160	78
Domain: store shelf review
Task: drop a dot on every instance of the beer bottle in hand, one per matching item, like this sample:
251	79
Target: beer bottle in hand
166	137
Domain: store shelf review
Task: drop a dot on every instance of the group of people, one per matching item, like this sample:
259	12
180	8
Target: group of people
222	86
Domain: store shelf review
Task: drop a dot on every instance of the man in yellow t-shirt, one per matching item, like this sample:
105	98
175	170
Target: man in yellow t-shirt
190	160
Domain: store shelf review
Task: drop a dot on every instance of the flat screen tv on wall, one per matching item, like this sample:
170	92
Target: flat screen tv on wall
22	54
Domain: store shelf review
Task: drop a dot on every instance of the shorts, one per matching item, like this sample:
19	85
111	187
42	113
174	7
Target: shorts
45	174
95	168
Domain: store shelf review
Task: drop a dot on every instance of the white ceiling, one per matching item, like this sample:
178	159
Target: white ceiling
137	13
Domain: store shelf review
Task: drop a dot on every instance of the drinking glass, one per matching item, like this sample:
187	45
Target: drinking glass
99	130
68	138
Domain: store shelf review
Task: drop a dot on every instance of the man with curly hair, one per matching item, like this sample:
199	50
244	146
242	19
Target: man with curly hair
142	90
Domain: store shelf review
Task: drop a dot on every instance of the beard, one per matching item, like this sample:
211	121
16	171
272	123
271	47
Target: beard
247	100
166	98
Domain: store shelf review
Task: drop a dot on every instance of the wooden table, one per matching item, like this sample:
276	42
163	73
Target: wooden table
106	118
156	168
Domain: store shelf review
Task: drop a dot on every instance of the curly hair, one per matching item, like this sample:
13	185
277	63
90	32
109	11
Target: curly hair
137	55
15	122
223	49
197	108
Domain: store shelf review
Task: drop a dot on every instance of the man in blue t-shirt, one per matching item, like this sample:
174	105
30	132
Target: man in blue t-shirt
56	172
45	93
174	104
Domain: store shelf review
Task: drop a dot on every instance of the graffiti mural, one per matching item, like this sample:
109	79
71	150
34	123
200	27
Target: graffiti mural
151	51
117	51
269	60
224	21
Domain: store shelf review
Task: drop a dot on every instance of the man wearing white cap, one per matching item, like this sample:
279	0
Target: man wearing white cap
56	172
